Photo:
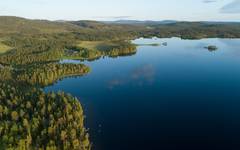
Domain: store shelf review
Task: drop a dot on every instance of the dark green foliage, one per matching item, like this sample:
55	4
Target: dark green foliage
31	119
49	48
12	25
6	73
46	74
95	31
123	48
105	48
35	49
195	30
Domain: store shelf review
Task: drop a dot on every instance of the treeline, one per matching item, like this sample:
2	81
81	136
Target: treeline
35	49
46	74
114	49
80	53
123	48
31	119
48	48
96	31
194	30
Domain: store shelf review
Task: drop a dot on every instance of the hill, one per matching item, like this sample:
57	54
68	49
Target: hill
122	29
9	25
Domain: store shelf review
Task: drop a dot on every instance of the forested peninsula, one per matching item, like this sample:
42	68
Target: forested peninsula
30	51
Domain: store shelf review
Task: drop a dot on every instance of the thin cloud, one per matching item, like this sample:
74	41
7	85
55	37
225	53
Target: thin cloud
233	7
112	17
209	1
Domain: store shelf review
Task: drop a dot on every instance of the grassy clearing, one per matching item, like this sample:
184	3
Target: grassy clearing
98	45
95	49
4	48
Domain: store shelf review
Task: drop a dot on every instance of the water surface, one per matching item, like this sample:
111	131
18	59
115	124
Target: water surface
179	96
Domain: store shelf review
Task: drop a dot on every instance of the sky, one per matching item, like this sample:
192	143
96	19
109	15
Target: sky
182	10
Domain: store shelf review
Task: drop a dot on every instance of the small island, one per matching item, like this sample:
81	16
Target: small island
151	44
211	47
164	43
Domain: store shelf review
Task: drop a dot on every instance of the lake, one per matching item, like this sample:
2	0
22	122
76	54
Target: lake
175	97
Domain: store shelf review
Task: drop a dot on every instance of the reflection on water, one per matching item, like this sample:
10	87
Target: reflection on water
95	59
145	72
138	76
178	96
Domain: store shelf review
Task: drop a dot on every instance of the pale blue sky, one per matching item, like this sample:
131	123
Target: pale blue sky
191	10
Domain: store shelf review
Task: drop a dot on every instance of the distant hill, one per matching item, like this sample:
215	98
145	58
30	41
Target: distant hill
165	22
121	29
89	24
9	24
12	25
137	22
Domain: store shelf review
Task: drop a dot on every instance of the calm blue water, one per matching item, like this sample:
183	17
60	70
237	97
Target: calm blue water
175	97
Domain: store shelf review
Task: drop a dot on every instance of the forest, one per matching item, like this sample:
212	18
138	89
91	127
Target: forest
32	119
30	51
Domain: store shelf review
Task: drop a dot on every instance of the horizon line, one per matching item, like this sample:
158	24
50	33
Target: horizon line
115	20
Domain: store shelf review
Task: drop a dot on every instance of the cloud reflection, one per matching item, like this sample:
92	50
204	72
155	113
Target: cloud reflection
141	75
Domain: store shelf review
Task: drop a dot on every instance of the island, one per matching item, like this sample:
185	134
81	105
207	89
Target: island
211	47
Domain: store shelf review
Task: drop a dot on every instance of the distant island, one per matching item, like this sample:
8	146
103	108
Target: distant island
151	44
211	47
